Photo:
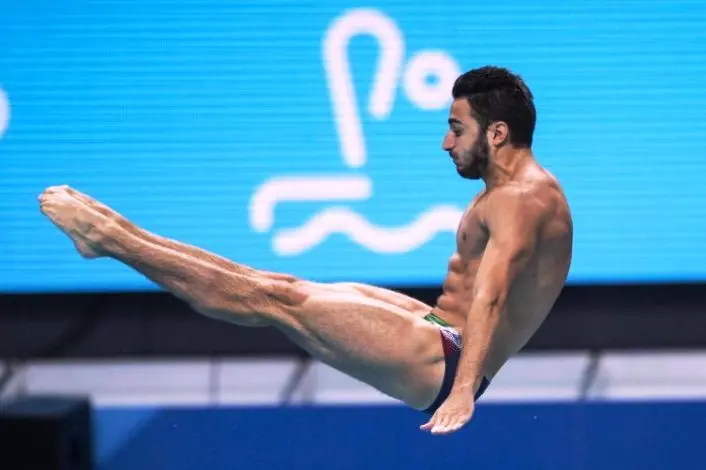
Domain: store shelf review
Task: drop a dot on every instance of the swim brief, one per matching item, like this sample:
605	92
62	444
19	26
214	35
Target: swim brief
451	342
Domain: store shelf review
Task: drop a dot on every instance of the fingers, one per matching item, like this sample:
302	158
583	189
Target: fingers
442	423
428	425
436	424
451	426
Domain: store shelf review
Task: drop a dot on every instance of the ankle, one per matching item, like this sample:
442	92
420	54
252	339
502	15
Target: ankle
107	237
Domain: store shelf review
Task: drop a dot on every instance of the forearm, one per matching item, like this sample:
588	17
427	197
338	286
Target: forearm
481	324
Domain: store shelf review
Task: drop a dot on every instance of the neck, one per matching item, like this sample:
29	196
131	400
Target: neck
505	165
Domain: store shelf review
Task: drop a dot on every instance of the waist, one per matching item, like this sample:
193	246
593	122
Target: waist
433	318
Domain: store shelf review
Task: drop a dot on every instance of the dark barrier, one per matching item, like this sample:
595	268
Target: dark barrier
46	433
133	325
645	436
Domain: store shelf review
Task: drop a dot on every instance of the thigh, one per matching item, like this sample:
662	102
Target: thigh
377	342
403	301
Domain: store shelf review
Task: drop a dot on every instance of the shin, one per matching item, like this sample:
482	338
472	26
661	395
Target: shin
242	296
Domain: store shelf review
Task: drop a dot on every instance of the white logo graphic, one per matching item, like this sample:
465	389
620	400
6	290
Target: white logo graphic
4	112
340	188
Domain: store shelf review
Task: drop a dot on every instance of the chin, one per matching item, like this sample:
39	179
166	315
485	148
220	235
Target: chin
468	173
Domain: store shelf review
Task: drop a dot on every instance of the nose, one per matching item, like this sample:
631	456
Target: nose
448	142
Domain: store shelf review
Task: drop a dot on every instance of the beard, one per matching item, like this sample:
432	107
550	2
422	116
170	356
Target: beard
473	164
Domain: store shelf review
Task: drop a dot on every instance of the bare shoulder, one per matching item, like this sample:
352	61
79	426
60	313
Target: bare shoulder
536	198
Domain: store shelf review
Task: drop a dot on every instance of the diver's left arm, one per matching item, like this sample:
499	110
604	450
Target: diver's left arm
513	223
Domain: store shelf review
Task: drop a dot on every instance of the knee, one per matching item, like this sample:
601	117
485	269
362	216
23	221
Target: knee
289	293
222	293
246	298
276	302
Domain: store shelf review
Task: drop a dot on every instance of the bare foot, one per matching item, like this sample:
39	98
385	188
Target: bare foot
97	206
76	219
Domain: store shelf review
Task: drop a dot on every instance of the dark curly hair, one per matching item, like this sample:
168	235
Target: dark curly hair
496	94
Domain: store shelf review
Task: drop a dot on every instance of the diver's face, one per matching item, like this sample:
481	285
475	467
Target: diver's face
465	142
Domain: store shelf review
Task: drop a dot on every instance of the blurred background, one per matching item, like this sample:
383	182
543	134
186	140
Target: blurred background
305	137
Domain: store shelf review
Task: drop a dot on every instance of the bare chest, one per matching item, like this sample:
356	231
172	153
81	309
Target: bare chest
472	236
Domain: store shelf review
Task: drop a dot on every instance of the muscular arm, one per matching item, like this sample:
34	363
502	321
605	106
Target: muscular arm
514	219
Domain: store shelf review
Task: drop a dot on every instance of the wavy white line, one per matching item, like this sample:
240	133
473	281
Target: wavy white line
392	240
304	188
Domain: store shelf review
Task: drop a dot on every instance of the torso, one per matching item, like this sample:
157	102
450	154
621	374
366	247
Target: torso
535	290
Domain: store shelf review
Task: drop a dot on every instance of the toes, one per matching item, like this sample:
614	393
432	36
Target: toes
80	196
71	191
47	192
57	189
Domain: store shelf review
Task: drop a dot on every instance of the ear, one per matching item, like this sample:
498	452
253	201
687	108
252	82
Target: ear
498	134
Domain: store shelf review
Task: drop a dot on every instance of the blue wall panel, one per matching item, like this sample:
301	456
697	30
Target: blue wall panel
616	436
305	136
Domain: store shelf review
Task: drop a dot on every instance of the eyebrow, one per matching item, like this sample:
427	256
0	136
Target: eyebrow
453	121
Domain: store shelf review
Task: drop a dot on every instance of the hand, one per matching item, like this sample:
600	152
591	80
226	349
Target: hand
452	415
